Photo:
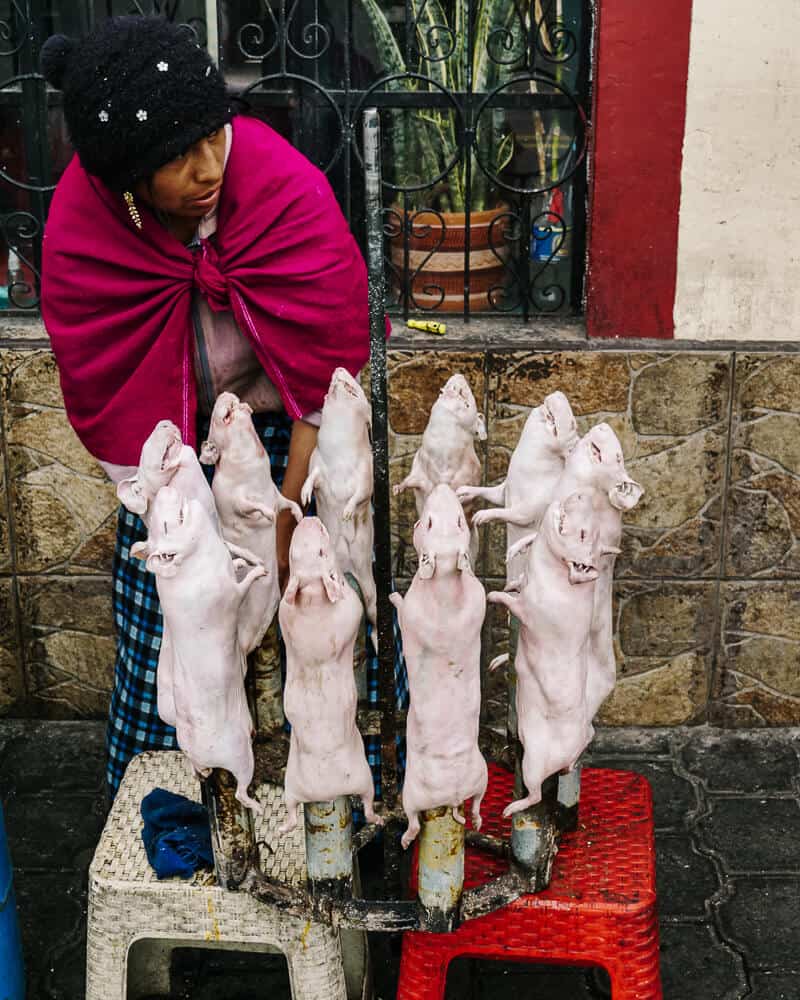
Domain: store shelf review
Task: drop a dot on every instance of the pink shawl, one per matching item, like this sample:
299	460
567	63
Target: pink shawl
116	301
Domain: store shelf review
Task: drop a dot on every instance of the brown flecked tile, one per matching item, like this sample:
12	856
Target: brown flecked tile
670	414
12	687
415	378
69	645
678	412
764	496
758	673
62	504
663	642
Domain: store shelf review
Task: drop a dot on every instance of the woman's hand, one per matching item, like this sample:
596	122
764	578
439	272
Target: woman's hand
303	442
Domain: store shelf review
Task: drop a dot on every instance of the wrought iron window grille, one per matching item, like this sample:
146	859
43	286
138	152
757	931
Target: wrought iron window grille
485	123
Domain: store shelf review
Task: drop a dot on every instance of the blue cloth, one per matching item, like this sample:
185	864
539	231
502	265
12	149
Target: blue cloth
176	835
134	724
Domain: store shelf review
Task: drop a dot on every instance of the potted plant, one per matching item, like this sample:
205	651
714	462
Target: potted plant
427	160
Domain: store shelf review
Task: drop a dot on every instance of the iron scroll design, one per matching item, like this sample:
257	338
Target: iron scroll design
480	119
25	197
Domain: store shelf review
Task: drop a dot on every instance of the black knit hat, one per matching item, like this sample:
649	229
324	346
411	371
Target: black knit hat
138	92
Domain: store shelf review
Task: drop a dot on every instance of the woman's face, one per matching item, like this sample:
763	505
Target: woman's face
188	187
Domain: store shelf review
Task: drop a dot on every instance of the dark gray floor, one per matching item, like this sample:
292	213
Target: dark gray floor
727	809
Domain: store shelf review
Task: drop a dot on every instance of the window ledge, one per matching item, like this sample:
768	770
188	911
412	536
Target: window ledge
23	332
496	332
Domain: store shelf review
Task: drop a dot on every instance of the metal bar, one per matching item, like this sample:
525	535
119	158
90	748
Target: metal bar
282	35
379	915
511	672
34	121
282	96
212	30
492	895
466	152
414	98
348	158
409	31
380	444
568	800
264	664
441	869
407	280
329	857
233	836
525	252
580	205
486	842
534	834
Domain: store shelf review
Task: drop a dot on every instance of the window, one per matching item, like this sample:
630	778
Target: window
484	108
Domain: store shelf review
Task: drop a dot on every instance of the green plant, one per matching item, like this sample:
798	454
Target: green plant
425	141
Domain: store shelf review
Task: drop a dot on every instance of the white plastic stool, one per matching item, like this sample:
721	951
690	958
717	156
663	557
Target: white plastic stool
127	903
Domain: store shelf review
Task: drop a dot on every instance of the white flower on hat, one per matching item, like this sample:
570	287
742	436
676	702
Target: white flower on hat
141	114
162	67
103	116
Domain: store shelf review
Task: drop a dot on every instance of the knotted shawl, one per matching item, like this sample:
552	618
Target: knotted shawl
116	300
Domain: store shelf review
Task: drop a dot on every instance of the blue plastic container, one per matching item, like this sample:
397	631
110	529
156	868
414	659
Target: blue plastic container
12	976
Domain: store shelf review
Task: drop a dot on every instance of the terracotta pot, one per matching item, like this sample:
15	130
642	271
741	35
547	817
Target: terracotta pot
436	252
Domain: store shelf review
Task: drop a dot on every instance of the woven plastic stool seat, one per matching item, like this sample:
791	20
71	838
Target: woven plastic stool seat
127	903
600	907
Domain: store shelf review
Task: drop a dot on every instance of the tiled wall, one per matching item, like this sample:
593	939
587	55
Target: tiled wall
56	539
708	586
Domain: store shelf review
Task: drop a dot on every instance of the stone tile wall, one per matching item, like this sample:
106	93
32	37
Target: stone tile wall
56	542
708	586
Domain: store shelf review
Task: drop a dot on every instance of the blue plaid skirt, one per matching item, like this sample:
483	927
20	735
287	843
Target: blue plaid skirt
134	724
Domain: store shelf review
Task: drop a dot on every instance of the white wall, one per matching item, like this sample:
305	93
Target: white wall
739	238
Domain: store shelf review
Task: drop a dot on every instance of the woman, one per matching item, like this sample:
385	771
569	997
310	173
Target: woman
188	250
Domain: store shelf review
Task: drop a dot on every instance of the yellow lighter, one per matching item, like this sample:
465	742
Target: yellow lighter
427	326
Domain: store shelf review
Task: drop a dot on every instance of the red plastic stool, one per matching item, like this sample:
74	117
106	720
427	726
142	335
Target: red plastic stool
600	907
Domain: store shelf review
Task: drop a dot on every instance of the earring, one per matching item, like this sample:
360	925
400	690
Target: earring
132	209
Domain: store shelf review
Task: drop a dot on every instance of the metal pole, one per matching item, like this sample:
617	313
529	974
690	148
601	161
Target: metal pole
233	836
441	869
511	682
212	30
534	833
329	859
380	444
569	796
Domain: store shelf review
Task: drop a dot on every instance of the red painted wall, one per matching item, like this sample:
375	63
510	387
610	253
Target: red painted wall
641	67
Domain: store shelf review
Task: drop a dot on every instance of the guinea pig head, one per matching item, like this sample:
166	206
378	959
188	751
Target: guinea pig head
560	421
230	430
457	397
158	461
177	528
441	535
344	392
311	561
571	533
599	455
